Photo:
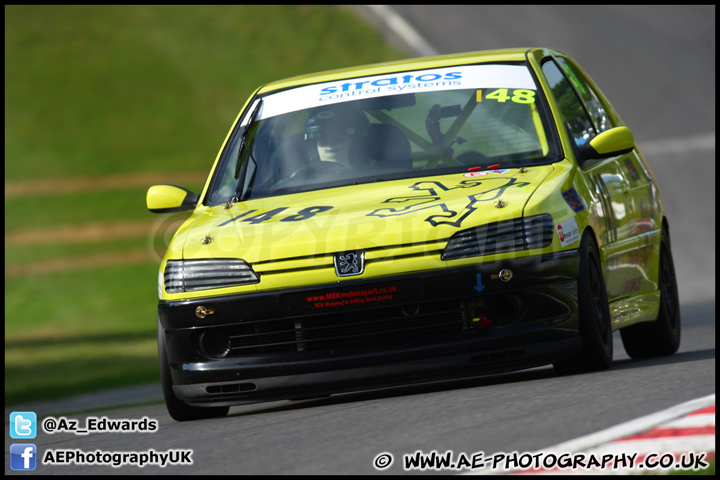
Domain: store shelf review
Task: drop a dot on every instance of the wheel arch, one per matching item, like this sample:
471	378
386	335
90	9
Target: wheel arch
589	230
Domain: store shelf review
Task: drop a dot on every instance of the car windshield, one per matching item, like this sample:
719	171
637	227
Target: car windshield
385	127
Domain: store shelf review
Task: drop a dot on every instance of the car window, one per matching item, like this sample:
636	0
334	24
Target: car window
386	127
593	104
575	117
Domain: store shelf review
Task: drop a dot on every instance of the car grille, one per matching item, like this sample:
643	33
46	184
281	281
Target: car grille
406	324
347	331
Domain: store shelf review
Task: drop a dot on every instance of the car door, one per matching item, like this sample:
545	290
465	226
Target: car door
644	226
644	220
584	117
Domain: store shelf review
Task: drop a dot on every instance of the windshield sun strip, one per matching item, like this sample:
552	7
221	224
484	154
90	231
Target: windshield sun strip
413	137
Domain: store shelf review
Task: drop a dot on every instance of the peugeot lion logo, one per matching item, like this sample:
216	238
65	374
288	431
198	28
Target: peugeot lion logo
349	264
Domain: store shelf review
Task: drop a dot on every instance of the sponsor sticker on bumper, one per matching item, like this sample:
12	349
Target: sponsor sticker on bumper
568	232
365	295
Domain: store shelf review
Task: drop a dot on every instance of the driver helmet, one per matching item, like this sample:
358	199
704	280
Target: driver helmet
334	124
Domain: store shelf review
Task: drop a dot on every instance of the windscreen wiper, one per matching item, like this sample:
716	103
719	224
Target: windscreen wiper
243	146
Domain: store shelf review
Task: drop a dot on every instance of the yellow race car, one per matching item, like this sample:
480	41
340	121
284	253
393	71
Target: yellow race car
405	222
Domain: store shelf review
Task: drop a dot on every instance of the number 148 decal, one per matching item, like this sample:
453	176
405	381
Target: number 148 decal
303	214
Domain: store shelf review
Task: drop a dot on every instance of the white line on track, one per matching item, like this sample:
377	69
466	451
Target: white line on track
633	427
404	30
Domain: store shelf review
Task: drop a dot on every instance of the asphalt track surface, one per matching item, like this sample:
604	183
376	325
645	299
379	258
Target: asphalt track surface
656	64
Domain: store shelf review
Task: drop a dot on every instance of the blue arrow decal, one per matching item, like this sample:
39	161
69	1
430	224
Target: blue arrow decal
479	287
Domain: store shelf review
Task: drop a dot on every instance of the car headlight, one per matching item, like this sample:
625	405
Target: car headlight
506	236
192	275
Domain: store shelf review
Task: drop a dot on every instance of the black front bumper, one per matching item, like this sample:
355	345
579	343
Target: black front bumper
372	333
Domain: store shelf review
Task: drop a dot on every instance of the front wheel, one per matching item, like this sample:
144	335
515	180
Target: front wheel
662	337
594	313
179	410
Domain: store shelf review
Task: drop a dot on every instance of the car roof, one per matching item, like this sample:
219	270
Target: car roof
504	55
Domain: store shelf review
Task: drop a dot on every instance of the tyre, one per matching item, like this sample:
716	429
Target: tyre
179	410
594	315
662	337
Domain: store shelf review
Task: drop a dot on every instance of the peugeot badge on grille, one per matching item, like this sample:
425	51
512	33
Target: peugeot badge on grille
349	264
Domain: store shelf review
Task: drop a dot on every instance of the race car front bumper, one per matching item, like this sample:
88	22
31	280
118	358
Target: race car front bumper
372	333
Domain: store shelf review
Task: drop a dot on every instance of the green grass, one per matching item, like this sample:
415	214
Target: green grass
94	90
97	91
79	331
49	211
18	256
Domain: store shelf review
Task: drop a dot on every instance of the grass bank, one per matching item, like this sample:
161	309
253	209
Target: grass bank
101	93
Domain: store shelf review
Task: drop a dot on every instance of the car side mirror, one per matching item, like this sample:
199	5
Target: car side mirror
169	198
612	142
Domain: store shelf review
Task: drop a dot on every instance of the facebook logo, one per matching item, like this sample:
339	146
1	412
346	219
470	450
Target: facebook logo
23	425
23	456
